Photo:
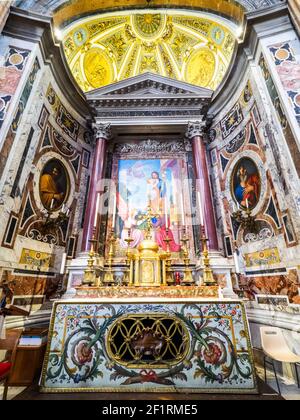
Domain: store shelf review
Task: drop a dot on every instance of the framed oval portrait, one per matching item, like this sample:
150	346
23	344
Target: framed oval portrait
246	183
54	185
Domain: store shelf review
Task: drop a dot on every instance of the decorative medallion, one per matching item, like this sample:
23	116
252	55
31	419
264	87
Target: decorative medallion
80	37
149	26
98	69
16	59
201	68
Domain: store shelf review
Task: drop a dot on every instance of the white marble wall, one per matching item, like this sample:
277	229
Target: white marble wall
286	199
9	258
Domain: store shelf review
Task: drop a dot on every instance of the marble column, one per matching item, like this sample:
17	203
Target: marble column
102	134
4	12
294	8
195	134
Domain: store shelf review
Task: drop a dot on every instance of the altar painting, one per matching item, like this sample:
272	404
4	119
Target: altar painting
153	186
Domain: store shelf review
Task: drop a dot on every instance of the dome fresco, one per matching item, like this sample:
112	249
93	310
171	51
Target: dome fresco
184	46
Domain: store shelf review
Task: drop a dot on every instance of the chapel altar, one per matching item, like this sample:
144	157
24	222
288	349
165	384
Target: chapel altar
149	305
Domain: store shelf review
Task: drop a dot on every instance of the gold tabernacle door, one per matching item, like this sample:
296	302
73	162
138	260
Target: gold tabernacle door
147	265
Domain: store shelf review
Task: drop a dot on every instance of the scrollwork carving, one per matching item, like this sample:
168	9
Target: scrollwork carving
150	147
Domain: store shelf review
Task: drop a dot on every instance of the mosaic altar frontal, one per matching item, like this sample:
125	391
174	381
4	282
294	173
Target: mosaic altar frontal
155	346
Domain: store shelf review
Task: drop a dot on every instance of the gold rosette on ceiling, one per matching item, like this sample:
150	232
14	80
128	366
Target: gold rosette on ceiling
188	47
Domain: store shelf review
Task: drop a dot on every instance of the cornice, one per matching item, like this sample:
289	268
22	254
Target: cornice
149	98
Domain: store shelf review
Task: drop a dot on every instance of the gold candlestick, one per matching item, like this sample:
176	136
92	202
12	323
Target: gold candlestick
129	260
90	278
109	275
169	277
208	276
188	274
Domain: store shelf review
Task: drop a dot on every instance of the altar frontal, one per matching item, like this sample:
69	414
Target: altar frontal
149	345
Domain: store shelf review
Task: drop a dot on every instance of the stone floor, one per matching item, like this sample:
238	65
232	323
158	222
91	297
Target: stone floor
289	389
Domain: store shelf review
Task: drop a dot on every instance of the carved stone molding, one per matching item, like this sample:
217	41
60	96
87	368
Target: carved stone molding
150	147
102	131
195	129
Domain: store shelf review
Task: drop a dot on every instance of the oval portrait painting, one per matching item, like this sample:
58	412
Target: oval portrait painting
54	185
246	183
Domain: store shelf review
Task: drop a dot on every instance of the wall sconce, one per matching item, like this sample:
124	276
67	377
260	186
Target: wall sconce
53	223
244	218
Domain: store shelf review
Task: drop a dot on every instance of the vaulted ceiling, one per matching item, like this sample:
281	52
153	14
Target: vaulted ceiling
106	41
184	46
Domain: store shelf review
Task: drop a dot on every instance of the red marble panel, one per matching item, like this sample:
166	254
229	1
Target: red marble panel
9	80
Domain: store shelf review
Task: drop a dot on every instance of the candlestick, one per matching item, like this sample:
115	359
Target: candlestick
97	210
63	263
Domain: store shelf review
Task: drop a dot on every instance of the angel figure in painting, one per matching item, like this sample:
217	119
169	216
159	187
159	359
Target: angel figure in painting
131	227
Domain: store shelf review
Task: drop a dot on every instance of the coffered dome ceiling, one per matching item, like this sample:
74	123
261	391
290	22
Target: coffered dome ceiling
191	47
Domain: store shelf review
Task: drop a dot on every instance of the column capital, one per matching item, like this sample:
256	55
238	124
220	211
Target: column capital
102	131
195	129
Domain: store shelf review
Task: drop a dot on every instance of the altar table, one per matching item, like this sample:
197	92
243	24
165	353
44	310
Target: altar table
145	344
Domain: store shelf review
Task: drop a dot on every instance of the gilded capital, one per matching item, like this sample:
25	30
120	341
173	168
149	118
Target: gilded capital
195	129
102	131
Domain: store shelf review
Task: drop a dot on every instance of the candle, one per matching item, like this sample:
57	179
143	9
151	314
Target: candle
166	211
200	209
63	263
63	208
97	210
52	204
247	203
182	211
236	262
2	328
114	211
